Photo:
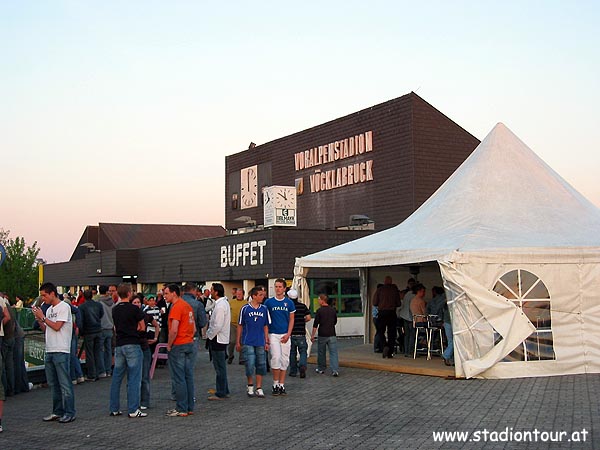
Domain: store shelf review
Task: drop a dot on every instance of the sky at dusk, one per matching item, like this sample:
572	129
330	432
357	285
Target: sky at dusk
124	111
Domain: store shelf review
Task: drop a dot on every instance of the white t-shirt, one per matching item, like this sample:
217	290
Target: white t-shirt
59	341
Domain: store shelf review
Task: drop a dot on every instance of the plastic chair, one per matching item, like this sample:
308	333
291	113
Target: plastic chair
158	355
421	326
434	326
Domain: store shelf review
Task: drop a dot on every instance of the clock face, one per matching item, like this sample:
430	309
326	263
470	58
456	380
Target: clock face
279	206
249	187
284	197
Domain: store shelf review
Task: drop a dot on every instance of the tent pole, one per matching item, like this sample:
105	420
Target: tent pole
363	275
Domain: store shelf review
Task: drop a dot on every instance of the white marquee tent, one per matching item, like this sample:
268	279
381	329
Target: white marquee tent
519	253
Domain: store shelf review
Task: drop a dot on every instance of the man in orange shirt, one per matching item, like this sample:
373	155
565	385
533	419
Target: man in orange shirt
180	345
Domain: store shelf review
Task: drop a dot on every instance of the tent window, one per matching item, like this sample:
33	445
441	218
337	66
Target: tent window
529	293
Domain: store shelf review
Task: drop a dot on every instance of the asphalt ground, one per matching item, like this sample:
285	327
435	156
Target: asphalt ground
361	409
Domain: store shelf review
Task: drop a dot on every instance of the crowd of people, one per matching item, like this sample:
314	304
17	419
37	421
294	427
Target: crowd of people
397	314
121	329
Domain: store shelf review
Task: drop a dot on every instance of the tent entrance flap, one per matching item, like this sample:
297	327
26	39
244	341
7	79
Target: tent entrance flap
486	326
300	284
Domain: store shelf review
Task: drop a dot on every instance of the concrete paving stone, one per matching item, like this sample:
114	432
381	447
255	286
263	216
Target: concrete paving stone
362	409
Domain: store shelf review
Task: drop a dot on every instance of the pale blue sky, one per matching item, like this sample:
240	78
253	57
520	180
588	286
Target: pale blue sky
109	108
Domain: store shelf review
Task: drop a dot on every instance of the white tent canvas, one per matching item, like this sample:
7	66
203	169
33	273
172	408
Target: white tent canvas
519	253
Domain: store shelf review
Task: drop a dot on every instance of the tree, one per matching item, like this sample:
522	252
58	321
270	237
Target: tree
19	272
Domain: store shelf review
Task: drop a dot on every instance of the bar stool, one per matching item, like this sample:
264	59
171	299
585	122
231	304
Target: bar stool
158	355
421	326
435	327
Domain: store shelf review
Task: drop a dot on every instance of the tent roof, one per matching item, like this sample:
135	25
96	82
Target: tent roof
502	200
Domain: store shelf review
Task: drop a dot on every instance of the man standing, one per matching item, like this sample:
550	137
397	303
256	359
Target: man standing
404	313
282	311
58	326
146	338
91	330
8	350
252	340
218	338
153	310
182	355
325	321
387	299
112	291
107	331
236	305
299	344
128	320
190	292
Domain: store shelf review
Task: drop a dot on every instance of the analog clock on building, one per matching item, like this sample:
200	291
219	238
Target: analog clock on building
249	187
279	204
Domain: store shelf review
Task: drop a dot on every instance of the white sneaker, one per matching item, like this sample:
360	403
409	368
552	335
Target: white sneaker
250	391
259	393
137	413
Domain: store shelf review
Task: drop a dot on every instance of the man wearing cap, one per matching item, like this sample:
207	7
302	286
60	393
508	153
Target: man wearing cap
299	344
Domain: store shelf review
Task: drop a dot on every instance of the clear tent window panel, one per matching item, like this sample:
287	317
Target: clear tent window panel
474	336
528	292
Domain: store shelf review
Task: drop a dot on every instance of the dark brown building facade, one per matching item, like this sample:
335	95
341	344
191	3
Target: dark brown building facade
382	162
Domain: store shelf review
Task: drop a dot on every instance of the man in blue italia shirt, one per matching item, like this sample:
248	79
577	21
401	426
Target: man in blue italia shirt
253	340
281	309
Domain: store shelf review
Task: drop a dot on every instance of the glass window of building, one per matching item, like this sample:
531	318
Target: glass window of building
344	294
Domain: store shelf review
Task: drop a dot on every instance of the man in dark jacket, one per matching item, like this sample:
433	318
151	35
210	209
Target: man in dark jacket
190	290
299	344
91	330
387	299
106	300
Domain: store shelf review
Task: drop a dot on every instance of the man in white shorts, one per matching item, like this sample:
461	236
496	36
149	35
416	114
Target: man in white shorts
281	309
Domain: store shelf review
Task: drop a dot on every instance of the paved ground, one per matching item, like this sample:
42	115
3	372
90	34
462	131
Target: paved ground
361	409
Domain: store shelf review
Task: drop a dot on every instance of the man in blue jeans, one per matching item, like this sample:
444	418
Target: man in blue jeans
57	323
325	321
91	330
252	340
128	320
299	344
107	303
218	340
182	354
